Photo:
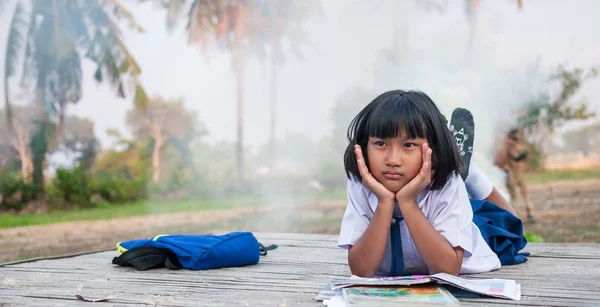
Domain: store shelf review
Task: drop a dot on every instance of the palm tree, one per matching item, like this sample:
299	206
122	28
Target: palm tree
51	38
287	19
241	27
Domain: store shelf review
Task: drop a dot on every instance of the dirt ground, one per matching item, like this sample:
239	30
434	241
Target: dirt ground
565	212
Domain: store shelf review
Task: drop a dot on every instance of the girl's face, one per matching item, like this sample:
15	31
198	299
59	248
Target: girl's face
394	162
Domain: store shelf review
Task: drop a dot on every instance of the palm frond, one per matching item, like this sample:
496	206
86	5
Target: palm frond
129	62
17	37
117	10
27	74
266	24
174	13
106	48
70	76
210	21
141	99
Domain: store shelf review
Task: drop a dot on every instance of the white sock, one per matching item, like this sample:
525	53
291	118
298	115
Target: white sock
478	184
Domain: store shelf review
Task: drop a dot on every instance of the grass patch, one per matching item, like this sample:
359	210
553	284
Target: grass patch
120	211
545	177
163	207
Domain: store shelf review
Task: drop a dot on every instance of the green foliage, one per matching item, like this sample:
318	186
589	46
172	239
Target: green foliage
73	185
533	238
544	113
118	191
132	162
14	191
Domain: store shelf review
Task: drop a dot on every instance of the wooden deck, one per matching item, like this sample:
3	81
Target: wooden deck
291	275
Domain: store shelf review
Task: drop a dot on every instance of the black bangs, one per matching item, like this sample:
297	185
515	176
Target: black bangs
394	115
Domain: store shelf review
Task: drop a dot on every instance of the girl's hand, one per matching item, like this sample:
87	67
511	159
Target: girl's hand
382	193
408	193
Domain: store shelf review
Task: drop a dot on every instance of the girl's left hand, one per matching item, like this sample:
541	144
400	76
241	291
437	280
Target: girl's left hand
409	192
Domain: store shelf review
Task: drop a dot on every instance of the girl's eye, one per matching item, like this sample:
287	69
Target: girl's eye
379	143
410	145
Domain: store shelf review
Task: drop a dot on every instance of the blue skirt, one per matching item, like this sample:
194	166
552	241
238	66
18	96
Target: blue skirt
502	231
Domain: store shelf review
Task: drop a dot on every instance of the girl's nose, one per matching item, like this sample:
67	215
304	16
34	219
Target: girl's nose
394	158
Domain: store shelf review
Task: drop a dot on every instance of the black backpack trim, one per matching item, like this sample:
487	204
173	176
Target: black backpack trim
147	257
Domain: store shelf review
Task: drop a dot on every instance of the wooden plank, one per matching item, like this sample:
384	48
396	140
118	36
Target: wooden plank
557	275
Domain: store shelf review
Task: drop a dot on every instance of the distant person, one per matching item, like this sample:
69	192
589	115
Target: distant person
511	157
408	208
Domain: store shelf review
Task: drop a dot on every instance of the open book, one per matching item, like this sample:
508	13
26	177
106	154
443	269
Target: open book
416	295
501	288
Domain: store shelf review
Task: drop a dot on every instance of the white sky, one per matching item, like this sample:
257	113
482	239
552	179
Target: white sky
347	40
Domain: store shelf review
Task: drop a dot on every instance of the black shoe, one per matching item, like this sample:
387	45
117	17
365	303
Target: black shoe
462	127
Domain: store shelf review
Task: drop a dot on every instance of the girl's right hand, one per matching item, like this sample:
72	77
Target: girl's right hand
382	193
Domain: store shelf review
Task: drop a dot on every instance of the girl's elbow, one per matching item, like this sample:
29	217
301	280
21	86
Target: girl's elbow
453	271
448	268
360	268
358	265
362	272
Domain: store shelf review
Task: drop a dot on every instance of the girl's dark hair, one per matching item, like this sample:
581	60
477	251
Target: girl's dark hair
410	112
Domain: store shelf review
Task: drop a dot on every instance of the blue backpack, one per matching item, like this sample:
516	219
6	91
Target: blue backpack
192	252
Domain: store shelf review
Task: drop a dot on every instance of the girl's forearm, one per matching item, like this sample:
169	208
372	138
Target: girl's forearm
366	255
436	251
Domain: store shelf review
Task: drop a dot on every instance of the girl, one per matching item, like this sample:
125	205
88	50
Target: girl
409	210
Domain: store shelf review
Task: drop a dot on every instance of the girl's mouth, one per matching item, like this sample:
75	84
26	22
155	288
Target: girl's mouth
392	175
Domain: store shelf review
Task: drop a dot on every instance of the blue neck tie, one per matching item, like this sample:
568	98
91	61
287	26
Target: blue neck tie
396	241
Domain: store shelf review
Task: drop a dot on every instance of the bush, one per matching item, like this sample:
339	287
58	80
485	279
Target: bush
75	187
14	191
117	190
72	184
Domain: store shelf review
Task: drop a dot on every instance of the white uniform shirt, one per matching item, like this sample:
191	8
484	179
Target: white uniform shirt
447	209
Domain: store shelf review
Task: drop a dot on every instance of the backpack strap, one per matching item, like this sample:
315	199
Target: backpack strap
147	257
264	249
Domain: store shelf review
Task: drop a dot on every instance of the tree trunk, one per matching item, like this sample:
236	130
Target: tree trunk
26	164
239	149
273	115
39	140
158	142
238	66
20	144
